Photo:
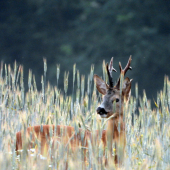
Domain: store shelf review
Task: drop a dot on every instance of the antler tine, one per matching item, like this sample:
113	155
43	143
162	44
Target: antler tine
128	67
111	66
109	69
109	75
123	71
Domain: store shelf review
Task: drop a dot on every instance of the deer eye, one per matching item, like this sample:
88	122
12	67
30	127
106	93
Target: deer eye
117	100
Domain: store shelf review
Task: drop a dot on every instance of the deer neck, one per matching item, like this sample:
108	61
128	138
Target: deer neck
110	128
112	132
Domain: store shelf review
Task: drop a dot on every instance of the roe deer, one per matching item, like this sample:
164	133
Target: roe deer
112	105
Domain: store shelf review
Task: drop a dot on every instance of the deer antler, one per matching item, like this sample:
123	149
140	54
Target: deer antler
123	71
109	69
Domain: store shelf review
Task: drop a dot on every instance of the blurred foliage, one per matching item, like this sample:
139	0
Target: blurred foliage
87	32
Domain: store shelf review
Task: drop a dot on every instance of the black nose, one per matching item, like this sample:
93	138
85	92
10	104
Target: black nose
101	111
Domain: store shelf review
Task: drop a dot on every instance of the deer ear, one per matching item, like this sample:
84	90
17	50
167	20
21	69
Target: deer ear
100	85
127	88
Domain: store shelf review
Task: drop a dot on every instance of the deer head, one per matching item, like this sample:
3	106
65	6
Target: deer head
114	96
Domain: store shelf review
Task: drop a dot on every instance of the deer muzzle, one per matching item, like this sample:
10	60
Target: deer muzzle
101	111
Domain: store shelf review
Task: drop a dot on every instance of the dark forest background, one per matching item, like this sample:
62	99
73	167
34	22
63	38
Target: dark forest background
87	32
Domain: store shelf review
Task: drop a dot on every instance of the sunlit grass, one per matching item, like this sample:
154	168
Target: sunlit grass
148	135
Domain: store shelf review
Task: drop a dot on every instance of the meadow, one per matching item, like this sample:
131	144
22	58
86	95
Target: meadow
147	129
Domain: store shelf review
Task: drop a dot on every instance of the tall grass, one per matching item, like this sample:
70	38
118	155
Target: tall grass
148	132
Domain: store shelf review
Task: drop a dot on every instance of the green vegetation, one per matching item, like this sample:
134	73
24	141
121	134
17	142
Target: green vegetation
85	32
148	137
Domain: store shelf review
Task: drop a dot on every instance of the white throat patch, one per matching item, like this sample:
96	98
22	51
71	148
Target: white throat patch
103	116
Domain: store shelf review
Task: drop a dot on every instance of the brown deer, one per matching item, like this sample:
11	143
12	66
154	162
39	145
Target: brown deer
112	106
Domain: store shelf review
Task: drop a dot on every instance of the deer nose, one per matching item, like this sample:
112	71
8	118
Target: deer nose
101	111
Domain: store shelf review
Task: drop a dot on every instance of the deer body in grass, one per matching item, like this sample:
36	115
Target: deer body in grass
111	106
